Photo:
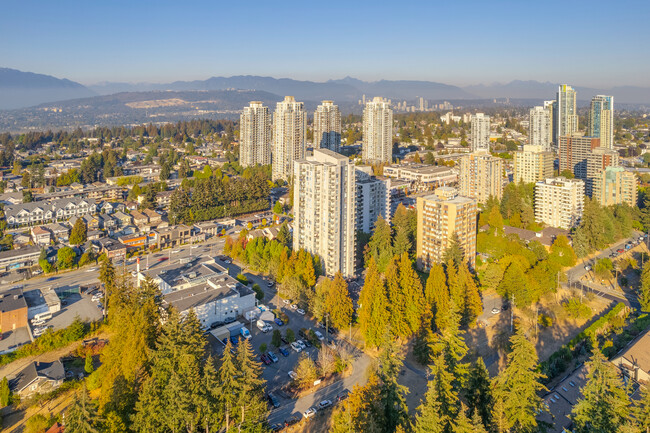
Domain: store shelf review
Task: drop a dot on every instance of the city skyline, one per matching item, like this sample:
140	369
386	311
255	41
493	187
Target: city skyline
133	42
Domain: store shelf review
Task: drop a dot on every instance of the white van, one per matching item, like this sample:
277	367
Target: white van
42	317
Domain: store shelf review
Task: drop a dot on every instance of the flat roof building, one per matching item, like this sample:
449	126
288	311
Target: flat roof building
559	202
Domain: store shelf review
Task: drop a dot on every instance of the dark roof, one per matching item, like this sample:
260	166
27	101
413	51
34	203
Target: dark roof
48	370
12	300
25	251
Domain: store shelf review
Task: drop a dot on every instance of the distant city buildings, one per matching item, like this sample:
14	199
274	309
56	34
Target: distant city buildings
439	217
481	176
533	164
324	210
551	107
377	131
255	135
614	185
289	132
567	113
327	127
601	120
573	153
559	202
480	132
540	128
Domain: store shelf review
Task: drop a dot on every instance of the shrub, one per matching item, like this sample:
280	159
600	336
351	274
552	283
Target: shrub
545	320
263	348
577	309
259	294
276	339
290	335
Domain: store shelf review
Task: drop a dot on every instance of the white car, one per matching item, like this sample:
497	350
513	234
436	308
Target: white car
286	301
300	311
319	335
302	345
309	412
97	297
176	251
325	403
297	347
294	307
292	374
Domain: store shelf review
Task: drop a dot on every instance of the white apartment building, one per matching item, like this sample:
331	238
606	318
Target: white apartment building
533	164
559	202
598	160
372	199
327	127
289	129
480	134
255	135
377	131
481	176
540	128
567	113
325	209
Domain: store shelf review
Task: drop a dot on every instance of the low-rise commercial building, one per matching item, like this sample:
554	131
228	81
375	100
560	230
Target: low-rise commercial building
19	258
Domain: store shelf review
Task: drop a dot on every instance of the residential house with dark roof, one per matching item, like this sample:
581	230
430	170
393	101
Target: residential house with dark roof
123	219
634	360
38	378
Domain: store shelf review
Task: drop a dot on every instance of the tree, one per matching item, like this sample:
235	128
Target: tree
290	335
306	371
643	294
65	258
82	416
361	411
436	294
373	311
472	303
28	197
642	410
444	389
429	418
251	394
380	247
562	253
463	424
478	392
79	232
454	251
517	387
392	395
604	406
338	303
107	275
38	423
278	208
5	392
276	338
283	235
88	368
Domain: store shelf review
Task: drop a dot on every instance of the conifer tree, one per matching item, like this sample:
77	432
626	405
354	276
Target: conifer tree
361	411
78	234
228	384
456	295
429	419
396	300
436	294
411	287
447	396
373	312
211	412
425	338
605	405
479	392
338	303
250	389
392	395
81	416
518	385
472	303
454	251
5	392
380	246
642	410
644	288
463	424
451	345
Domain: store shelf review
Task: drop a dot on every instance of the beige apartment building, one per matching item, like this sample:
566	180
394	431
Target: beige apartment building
325	209
533	164
598	160
289	134
614	185
255	135
481	176
573	153
327	127
377	131
559	202
439	216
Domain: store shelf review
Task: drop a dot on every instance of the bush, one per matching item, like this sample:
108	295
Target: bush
290	335
259	294
263	348
276	339
38	423
545	320
281	315
242	278
577	309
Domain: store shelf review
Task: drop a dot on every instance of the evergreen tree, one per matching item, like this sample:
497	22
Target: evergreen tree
463	424
361	412
373	312
228	383
644	288
250	389
338	303
81	416
396	301
424	339
451	345
107	275
436	294
518	385
411	287
472	303
456	295
284	236
605	405
380	246
429	418
88	367
479	392
444	389
5	393
642	410
454	251
392	395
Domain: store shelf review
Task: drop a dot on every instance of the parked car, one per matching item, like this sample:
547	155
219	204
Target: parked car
294	307
309	412
300	343
277	427
319	335
162	259
283	351
292	374
273	357
265	359
496	310
587	268
278	321
620	251
342	395
291	420
273	400
297	347
306	343
324	404
234	340
284	340
286	301
270	284
300	311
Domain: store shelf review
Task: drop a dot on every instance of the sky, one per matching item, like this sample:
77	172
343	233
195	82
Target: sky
586	43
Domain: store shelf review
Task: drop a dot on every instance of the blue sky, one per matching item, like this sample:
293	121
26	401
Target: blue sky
588	43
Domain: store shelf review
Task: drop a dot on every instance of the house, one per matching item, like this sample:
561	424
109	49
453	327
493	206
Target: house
107	222
634	360
56	428
40	236
19	258
123	219
93	235
40	212
13	310
546	237
154	217
38	378
112	248
59	232
163	198
131	205
108	207
139	219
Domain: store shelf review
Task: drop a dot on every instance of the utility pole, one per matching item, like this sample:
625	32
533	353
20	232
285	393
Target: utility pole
327	335
512	314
